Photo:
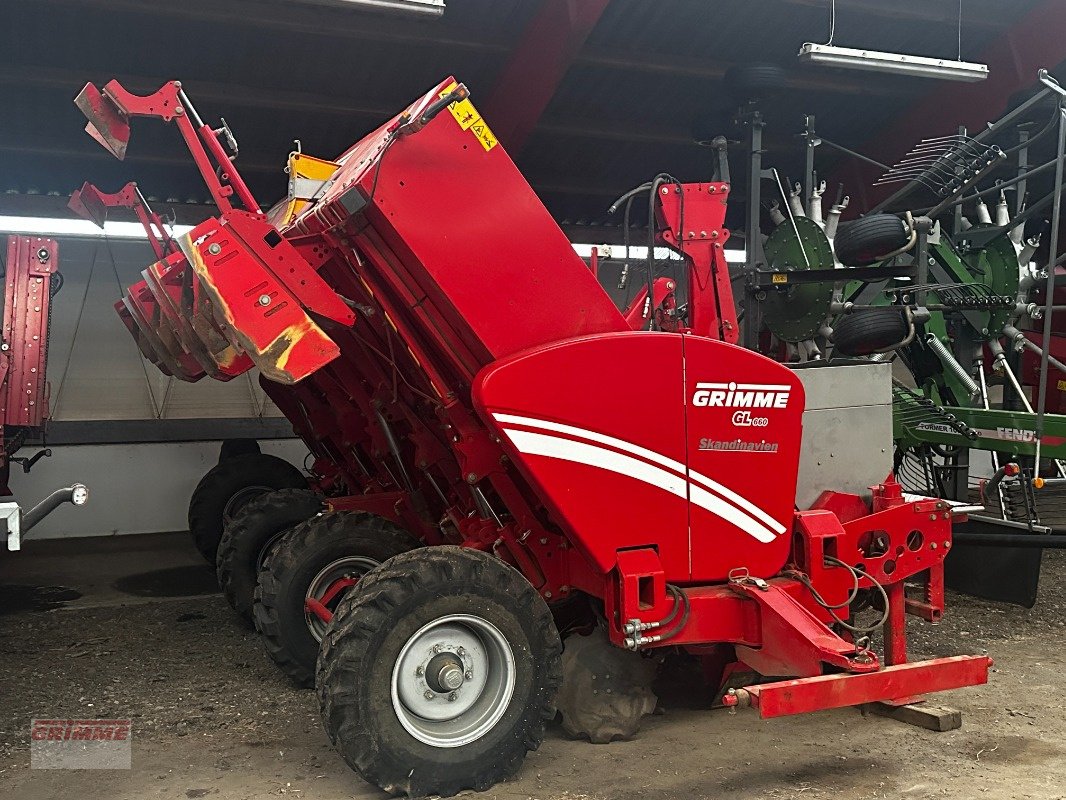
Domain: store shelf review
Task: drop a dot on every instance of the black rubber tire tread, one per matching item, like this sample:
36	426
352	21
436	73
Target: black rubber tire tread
222	481
754	81
241	548
606	691
292	564
367	632
231	448
869	330
863	241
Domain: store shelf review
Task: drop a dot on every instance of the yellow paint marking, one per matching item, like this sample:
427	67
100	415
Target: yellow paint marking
288	339
273	359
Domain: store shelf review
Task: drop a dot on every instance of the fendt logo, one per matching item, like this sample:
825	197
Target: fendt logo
740	395
1016	434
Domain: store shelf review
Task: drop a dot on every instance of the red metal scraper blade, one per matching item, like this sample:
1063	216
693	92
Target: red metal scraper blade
106	123
86	203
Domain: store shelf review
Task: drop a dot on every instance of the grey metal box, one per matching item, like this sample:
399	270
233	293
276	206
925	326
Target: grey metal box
847	429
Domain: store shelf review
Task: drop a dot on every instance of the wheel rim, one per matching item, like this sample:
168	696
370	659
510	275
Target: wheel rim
264	551
453	680
322	588
240	499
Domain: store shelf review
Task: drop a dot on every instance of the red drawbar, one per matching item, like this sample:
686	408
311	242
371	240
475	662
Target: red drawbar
783	698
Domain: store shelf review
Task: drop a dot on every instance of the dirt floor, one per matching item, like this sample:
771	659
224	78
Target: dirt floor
212	718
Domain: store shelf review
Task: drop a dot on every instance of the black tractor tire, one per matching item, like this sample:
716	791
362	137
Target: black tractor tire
376	637
224	490
864	241
746	82
249	535
606	690
346	542
231	448
868	331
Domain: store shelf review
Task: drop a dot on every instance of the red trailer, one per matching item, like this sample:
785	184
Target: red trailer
31	280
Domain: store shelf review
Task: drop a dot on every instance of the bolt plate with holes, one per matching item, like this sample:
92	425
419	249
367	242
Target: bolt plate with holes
996	266
796	312
31	262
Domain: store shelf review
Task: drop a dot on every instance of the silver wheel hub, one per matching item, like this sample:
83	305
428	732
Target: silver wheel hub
453	680
445	673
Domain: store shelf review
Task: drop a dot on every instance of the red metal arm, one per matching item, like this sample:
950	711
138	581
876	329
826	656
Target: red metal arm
108	112
537	65
91	203
701	207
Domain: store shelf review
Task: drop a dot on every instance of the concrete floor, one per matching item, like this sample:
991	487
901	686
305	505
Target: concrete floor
146	639
102	571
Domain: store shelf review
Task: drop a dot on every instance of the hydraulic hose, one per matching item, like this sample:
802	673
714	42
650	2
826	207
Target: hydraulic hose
627	200
631	193
635	629
680	602
1009	469
856	573
652	198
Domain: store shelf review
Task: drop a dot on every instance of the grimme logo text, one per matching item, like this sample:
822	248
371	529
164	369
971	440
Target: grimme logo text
740	395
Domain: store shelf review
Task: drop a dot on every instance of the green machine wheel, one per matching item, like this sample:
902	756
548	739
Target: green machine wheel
794	312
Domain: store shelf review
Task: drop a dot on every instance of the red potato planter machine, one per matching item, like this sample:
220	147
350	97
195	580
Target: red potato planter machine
465	384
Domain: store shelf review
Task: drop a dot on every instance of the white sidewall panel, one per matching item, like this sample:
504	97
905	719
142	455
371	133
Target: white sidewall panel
133	488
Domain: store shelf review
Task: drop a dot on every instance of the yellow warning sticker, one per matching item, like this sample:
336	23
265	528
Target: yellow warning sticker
1061	386
469	119
779	278
463	110
484	135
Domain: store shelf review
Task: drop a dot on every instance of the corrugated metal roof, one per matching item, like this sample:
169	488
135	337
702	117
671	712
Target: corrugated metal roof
279	71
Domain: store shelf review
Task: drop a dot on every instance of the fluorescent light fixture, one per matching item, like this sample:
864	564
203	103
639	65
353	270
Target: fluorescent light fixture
431	7
83	229
892	63
79	228
617	251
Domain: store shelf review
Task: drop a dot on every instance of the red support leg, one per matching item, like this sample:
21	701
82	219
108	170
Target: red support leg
895	627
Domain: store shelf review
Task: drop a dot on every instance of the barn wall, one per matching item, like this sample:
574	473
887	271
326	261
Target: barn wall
97	377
